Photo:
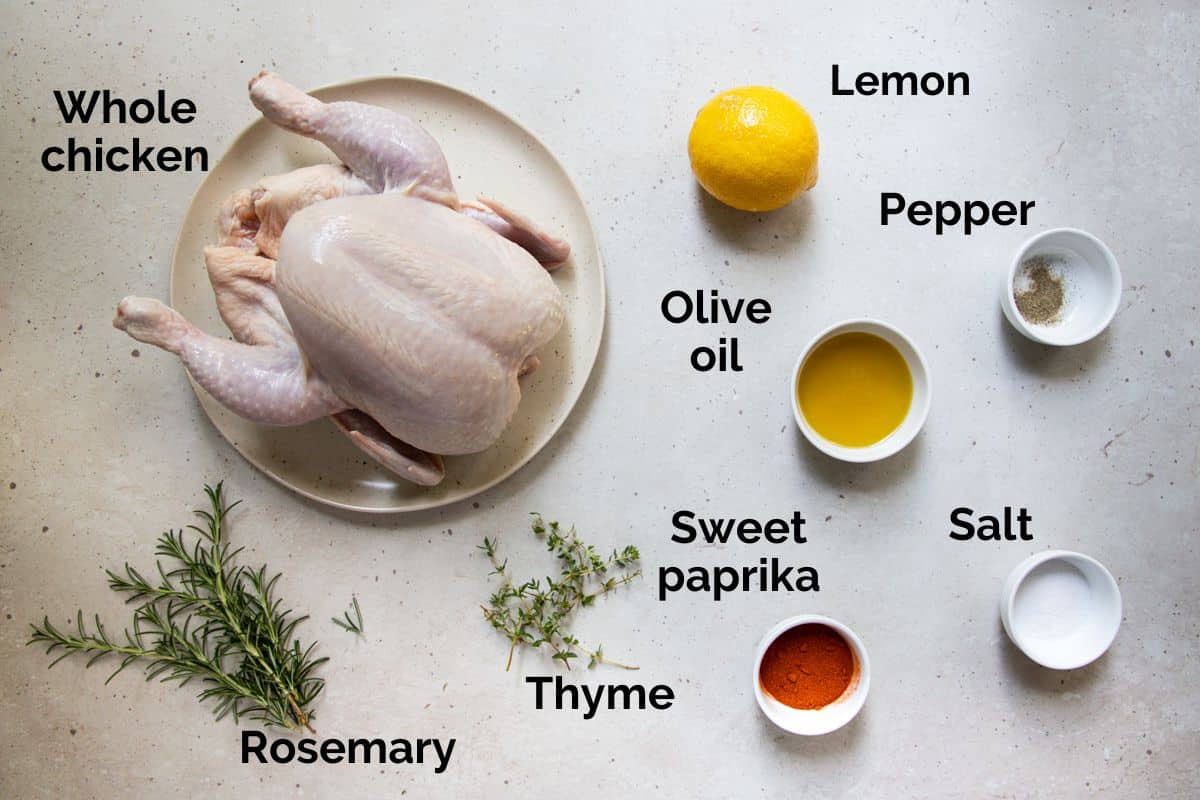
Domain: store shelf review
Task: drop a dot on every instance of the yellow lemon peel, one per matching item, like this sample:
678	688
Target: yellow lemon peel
754	148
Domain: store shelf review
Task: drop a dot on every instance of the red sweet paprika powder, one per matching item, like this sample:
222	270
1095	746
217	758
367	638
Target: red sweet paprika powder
808	666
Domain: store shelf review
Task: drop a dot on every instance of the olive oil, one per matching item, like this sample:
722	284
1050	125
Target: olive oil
854	389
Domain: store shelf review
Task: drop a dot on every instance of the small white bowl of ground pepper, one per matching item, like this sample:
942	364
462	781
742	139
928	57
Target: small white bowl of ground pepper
1063	287
811	675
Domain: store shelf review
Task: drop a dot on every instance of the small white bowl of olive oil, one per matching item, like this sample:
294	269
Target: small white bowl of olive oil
860	390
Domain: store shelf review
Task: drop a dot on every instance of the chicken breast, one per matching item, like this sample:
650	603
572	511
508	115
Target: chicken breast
418	315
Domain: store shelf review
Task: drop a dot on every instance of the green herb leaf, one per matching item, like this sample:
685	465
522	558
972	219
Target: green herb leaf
352	624
530	615
206	618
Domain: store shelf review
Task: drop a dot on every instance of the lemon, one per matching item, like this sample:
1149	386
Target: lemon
754	148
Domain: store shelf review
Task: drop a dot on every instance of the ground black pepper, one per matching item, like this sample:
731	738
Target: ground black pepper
1041	303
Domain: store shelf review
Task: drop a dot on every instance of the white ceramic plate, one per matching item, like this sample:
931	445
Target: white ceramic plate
489	154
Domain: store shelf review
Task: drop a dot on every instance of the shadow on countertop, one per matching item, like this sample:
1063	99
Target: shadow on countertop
865	477
1049	361
780	231
1018	669
830	745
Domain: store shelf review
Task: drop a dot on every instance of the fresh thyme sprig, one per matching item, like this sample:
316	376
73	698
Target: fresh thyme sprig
533	614
208	619
352	624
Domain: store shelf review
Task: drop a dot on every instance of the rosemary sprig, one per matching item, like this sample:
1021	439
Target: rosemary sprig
352	624
206	618
533	614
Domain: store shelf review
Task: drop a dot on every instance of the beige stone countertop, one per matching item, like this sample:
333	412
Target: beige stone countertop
1090	110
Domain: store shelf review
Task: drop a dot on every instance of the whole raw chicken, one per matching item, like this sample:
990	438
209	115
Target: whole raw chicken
365	291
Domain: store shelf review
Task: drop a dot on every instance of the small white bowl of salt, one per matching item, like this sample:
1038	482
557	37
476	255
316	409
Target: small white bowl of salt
1062	609
1063	287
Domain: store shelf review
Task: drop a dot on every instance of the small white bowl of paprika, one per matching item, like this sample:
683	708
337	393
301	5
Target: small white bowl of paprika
811	674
